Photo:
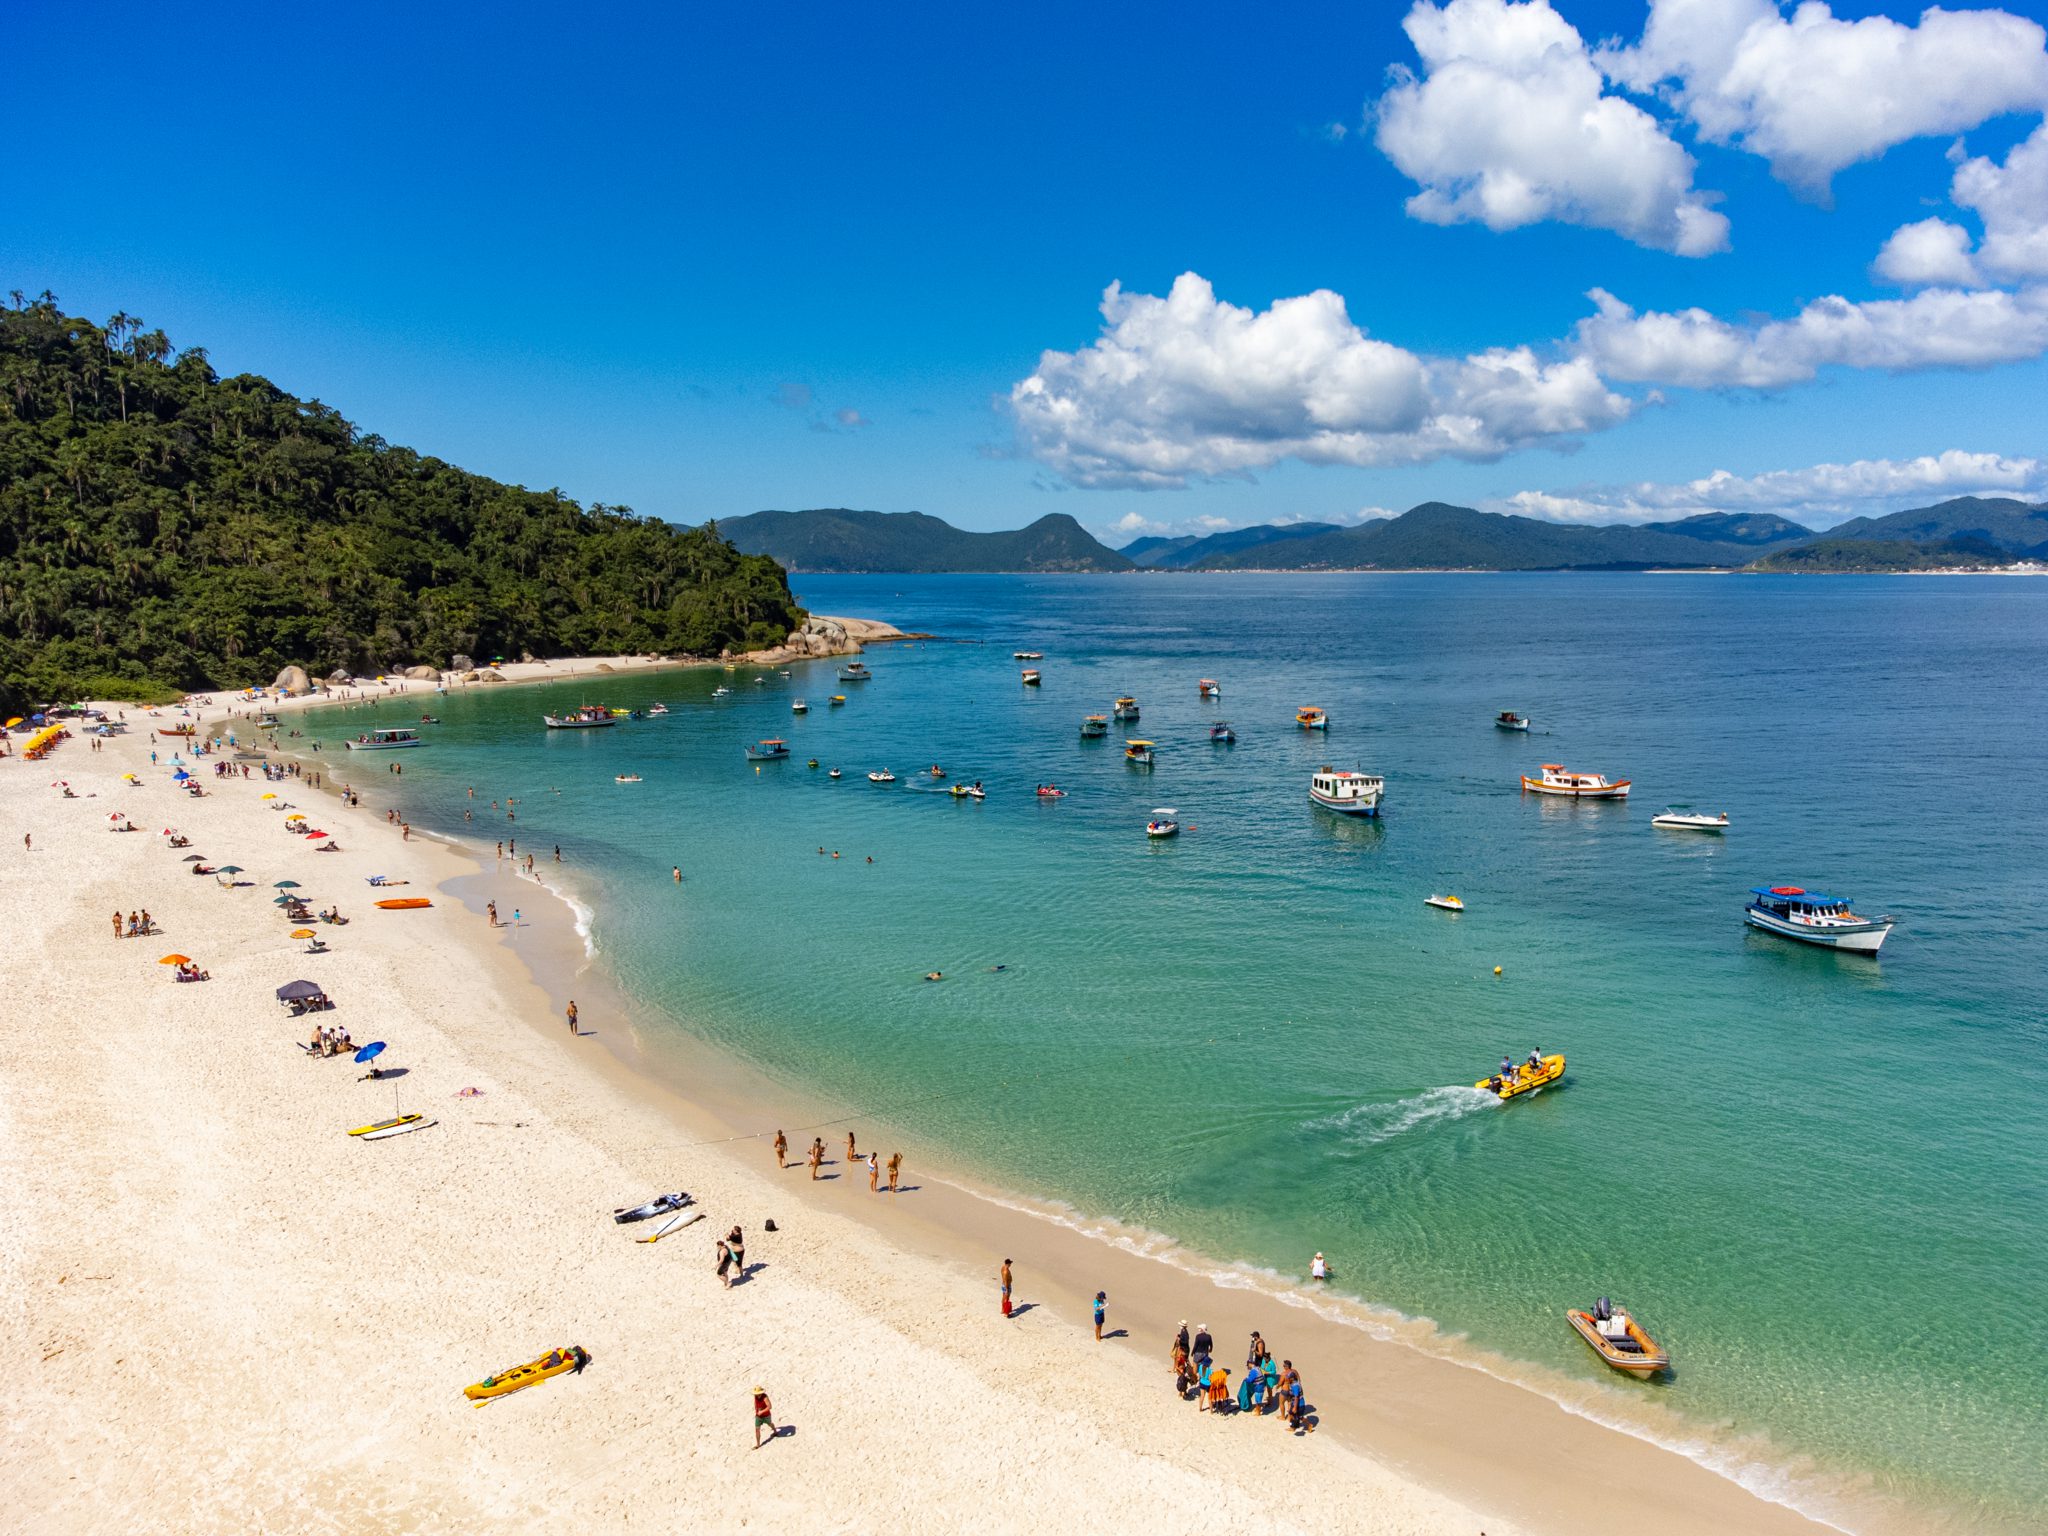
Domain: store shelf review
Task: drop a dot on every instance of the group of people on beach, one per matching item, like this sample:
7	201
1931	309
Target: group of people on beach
1266	1387
814	1157
139	925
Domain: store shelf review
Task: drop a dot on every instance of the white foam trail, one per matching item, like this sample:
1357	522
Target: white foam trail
1374	1123
1758	1470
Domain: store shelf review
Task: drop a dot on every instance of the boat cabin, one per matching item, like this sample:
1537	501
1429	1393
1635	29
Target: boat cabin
1801	906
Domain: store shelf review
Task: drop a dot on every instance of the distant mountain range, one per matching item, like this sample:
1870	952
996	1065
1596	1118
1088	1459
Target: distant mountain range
1968	531
838	540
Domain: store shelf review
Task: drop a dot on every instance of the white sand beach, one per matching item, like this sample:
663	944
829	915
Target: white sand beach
229	1315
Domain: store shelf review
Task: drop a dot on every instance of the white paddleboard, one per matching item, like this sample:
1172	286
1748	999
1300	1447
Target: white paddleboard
675	1223
397	1130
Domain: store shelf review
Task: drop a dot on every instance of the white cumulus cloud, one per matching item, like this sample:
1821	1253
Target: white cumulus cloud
1936	328
2012	200
1188	387
1813	93
1931	251
1819	496
1508	125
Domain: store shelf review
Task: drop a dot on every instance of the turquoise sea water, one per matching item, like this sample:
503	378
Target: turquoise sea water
1819	1178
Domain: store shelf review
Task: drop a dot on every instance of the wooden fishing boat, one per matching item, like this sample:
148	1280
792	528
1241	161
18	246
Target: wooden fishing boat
1559	780
1619	1339
1030	676
1508	720
554	1363
1309	718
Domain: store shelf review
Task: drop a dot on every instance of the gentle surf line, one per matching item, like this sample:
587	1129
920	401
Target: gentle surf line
1757	1472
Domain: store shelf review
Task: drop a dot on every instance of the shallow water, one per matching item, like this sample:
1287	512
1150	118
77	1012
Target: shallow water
1819	1178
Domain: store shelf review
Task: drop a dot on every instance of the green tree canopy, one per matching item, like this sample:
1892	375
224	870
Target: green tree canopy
164	528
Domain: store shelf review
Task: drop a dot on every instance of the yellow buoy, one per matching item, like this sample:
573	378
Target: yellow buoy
1496	970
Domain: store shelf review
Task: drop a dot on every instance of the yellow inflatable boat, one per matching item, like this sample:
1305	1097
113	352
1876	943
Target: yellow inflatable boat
1524	1078
553	1363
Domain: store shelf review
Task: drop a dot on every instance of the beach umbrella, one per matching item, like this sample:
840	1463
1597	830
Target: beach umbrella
193	858
282	901
266	797
304	933
371	1051
284	885
175	960
297	991
229	869
14	722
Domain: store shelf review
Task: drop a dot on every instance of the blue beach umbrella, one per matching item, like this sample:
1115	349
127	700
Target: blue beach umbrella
371	1051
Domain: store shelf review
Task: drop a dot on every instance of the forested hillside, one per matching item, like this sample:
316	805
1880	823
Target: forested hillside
163	527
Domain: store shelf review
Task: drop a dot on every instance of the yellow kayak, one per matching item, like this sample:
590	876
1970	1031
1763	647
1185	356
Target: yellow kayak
553	1363
1524	1079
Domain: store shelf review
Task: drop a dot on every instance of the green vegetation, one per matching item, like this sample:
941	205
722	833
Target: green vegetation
1843	557
835	539
164	528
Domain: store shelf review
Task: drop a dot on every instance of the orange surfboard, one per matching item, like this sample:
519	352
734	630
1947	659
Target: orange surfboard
404	903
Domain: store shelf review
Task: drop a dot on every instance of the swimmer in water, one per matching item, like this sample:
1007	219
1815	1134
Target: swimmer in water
934	975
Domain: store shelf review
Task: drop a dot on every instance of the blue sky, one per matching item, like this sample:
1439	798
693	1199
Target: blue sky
703	262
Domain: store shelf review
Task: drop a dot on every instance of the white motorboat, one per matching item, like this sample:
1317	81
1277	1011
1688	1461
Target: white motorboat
1558	780
1348	794
1683	818
799	707
1812	918
625	778
883	776
1508	720
1163	823
384	741
1446	903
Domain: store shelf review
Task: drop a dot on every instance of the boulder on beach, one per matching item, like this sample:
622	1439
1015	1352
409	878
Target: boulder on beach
526	658
461	664
470	676
491	675
422	674
339	677
293	681
605	666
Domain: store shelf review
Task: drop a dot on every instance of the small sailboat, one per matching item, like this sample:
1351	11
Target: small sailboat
1508	720
1447	903
1683	818
1619	1339
1163	822
1309	718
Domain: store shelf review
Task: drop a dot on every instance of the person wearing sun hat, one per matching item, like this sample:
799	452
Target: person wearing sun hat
764	1413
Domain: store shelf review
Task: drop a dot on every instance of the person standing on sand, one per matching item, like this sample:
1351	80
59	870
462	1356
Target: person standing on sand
895	1168
1006	1287
571	1011
817	1156
1101	1308
851	1155
724	1265
28	842
515	917
781	1150
1204	1347
117	925
764	1413
491	907
737	1242
874	1172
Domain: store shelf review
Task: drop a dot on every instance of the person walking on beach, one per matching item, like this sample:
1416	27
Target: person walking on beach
515	917
724	1264
764	1413
736	1241
874	1172
817	1156
1006	1287
781	1150
491	907
895	1168
1101	1308
571	1012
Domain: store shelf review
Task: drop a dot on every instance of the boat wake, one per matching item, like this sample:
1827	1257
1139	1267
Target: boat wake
1369	1124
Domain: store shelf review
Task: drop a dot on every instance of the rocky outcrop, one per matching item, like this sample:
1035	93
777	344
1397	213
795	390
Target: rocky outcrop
821	636
470	676
293	681
461	664
422	674
491	675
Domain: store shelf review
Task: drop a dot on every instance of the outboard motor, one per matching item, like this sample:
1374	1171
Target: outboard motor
1603	1309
